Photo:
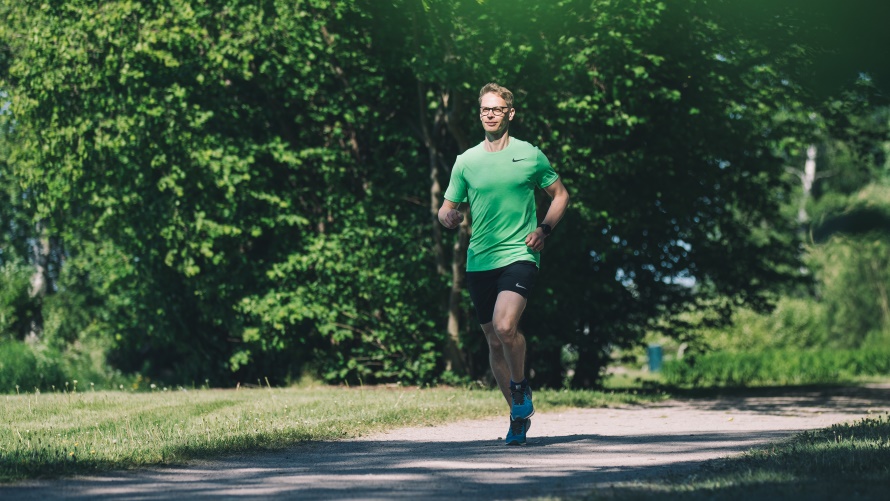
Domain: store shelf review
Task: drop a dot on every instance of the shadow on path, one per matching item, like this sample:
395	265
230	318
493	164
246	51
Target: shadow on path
569	453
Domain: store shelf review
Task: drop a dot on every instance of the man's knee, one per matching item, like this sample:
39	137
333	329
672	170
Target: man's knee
506	330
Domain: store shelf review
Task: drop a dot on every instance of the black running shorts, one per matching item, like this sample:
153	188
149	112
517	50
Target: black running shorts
484	286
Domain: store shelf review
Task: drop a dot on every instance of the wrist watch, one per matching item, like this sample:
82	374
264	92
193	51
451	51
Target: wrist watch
546	229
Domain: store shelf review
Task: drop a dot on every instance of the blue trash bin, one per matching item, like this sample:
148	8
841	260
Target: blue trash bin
655	357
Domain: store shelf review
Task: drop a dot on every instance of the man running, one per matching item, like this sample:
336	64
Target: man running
498	178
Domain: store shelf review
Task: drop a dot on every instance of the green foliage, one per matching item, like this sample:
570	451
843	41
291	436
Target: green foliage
794	323
18	309
855	292
16	304
669	155
847	311
186	153
846	215
30	367
22	367
234	190
365	315
850	190
777	367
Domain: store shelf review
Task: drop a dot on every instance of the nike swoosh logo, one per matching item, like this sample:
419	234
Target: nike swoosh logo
518	159
521	287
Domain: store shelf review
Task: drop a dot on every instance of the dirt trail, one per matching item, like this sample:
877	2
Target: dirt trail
568	453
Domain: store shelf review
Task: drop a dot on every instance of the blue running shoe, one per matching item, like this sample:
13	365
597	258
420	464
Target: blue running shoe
522	401
517	431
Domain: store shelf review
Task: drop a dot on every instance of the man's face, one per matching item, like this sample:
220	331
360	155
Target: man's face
494	114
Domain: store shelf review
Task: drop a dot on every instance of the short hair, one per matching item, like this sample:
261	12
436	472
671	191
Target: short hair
501	91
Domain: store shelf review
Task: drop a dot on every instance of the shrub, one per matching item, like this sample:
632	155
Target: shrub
26	367
776	367
17	307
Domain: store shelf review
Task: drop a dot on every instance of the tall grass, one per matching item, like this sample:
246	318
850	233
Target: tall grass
86	431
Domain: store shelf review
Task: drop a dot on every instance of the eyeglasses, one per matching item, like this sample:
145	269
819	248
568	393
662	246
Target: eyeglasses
496	111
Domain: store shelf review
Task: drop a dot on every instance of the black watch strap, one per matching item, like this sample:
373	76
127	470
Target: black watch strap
545	228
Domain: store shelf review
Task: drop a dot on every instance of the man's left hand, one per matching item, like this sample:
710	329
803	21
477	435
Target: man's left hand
535	240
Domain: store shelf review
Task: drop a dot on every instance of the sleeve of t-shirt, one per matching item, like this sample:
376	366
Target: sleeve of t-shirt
457	186
544	173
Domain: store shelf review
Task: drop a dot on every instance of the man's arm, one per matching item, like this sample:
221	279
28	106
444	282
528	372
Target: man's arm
449	216
558	206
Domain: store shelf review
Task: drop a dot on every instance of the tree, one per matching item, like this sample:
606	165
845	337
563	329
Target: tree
20	306
251	187
213	153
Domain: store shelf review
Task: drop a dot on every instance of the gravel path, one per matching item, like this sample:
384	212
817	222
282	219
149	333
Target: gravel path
569	453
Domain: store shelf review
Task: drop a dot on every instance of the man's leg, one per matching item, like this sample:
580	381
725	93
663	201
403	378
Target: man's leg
499	367
500	370
507	312
506	345
501	312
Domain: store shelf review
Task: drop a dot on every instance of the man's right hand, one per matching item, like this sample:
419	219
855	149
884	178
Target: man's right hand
452	219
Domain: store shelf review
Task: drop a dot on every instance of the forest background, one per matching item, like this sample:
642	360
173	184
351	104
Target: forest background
229	190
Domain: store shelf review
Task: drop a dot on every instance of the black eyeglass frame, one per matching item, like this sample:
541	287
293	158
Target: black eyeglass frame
497	111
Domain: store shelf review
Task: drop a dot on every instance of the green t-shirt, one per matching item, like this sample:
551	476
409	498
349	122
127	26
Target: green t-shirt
500	187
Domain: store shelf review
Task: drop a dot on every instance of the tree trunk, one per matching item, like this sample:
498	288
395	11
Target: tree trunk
457	361
39	279
807	178
454	357
883	296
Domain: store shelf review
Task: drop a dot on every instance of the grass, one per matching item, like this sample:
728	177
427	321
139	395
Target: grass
768	367
46	435
847	461
628	378
56	434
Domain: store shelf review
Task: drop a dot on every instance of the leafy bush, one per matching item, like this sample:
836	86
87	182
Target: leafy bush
26	367
351	309
855	276
776	367
795	323
17	308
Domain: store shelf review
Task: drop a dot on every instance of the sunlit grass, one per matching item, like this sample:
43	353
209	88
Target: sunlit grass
629	378
52	434
842	461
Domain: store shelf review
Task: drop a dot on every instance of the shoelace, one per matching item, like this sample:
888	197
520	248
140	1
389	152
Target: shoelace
518	396
517	426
